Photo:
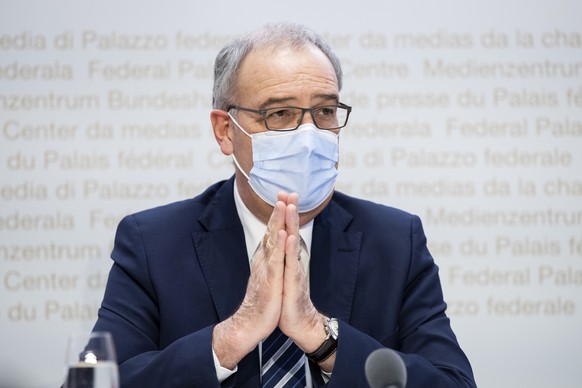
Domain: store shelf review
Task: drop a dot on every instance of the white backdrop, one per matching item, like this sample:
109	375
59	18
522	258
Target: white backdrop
466	113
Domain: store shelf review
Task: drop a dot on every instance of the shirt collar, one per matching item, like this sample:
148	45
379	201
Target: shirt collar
254	229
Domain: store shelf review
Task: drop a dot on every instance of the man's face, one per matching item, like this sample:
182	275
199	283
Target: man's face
278	77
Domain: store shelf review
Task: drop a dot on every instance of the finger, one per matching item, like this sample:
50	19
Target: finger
293	198
277	258
275	224
282	196
275	263
293	254
292	219
297	307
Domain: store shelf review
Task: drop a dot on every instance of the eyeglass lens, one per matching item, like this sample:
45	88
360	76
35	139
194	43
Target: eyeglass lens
324	117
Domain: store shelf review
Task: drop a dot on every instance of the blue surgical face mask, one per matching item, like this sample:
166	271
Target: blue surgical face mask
301	161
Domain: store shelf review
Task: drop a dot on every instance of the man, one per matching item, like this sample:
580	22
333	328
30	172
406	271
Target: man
200	288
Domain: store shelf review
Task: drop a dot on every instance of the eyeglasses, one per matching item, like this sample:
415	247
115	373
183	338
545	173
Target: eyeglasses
289	118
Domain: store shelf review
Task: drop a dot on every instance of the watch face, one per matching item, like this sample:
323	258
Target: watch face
333	327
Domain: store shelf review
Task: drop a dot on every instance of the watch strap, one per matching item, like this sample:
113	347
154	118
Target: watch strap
325	351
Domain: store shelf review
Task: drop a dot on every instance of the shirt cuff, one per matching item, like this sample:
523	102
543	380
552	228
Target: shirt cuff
222	373
326	376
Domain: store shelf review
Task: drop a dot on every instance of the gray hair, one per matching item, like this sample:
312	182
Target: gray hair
290	35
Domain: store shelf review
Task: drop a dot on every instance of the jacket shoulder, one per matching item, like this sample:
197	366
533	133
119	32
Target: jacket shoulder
371	212
180	213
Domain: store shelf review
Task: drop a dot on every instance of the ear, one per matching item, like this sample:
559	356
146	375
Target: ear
222	130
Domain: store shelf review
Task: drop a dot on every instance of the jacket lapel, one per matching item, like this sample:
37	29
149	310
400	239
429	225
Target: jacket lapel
335	253
222	253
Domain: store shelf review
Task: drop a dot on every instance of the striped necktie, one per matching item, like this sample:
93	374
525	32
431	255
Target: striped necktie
283	362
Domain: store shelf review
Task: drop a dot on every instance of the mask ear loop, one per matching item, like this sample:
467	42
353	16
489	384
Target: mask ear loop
238	125
239	167
234	157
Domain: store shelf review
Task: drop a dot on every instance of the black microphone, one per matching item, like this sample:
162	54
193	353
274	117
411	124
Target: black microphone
385	369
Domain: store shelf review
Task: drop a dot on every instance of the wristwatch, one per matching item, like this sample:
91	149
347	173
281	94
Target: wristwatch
329	346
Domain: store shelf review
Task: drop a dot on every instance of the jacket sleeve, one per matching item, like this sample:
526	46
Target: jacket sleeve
423	335
130	311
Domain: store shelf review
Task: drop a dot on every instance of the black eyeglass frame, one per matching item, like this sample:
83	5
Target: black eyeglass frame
263	112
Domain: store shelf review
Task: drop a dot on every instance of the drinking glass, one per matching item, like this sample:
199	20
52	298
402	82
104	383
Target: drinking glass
91	361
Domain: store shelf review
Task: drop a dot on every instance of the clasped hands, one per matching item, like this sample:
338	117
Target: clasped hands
277	293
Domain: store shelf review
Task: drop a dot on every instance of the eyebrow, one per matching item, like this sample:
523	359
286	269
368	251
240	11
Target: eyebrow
286	100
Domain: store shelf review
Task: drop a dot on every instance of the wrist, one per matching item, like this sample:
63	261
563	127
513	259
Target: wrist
329	346
231	342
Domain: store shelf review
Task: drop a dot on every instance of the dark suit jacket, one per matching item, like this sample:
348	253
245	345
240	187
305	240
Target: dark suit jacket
182	268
